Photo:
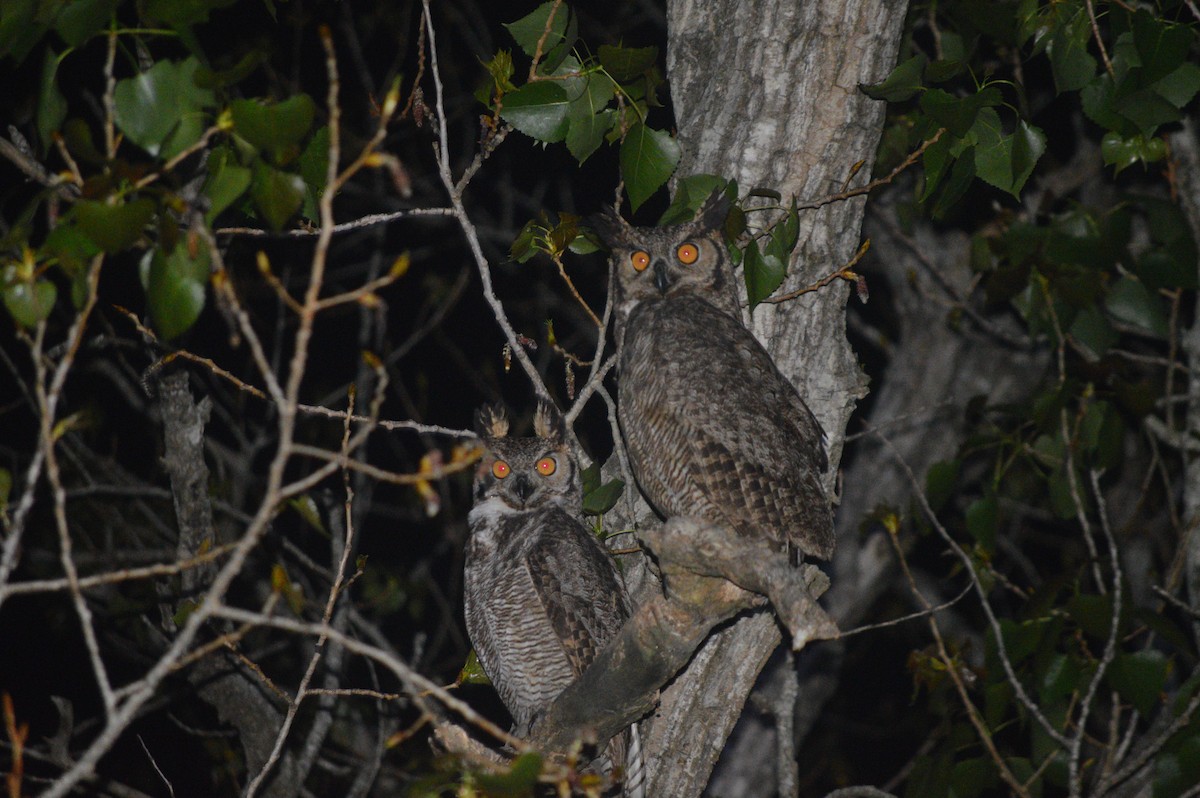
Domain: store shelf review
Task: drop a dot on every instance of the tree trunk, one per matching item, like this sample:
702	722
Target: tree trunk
767	94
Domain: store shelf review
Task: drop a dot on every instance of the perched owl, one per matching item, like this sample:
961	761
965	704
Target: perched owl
712	428
542	594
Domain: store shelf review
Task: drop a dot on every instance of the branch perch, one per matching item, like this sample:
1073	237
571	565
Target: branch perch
710	574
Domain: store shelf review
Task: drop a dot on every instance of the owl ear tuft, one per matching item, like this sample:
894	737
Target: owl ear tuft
712	213
548	422
491	421
608	226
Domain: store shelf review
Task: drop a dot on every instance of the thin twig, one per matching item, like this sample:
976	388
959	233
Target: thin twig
1074	776
842	273
951	669
874	184
1108	67
115	577
993	621
910	617
468	228
357	224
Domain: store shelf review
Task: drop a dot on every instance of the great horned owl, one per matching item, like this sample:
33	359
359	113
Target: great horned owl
542	594
712	428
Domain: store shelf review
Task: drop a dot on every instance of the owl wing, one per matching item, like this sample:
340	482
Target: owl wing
579	589
734	439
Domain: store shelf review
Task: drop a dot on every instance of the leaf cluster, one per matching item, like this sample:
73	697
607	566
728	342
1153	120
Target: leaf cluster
584	100
265	159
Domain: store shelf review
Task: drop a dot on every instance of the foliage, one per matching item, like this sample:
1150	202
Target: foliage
1098	281
567	95
209	150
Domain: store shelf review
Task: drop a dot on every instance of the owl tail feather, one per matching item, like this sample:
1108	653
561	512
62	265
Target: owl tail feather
635	766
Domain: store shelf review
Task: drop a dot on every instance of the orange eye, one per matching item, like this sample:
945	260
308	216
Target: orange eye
546	466
687	253
640	260
500	469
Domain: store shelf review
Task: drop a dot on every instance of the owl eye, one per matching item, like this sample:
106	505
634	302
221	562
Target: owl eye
546	466
500	469
687	253
640	260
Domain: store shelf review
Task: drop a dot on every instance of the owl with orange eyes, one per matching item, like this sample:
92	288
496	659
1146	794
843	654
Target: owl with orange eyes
542	595
712	428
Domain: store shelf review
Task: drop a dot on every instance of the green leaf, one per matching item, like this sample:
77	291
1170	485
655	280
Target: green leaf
207	78
1099	102
314	168
764	273
6	483
590	476
1177	768
982	518
648	158
971	777
901	84
1179	87
587	119
960	179
1122	152
529	29
30	302
277	194
1102	434
940	482
936	160
521	778
20	28
602	498
1139	678
1028	145
175	285
472	671
690	194
79	20
183	13
1131	302
1159	268
1093	614
957	114
500	67
1006	161
1147	109
227	180
539	110
1092	331
1021	639
1070	62
162	110
68	244
114	227
1161	46
626	63
277	128
52	106
78	138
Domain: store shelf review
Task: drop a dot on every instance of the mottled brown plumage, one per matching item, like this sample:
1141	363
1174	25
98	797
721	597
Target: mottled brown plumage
713	429
542	595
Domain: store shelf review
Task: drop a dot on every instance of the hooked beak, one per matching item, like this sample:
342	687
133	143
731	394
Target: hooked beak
662	280
523	488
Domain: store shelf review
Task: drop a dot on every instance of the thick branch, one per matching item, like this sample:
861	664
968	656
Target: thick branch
703	566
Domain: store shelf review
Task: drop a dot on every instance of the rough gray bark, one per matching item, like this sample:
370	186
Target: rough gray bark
1186	151
219	679
766	93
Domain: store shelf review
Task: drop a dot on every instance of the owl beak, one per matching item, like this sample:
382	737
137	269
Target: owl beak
522	487
662	280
